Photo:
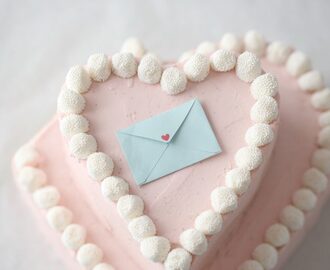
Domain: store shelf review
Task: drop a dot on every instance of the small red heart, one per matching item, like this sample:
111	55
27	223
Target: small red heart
166	137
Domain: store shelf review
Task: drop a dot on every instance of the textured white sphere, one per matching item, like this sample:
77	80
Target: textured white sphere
74	236
304	199
130	206
223	60
133	46
259	135
311	81
255	42
292	217
59	217
266	255
30	178
99	67
277	235
124	65
185	56
231	42
114	187
89	255
103	266
224	200
324	137
46	197
298	64
178	259
239	180
248	157
264	85
248	67
150	69
70	102
173	81
197	67
99	166
206	48
155	248
265	110
208	222
141	228
278	52
315	180
78	79
26	155
251	265
73	124
321	160
82	145
194	241
321	100
324	119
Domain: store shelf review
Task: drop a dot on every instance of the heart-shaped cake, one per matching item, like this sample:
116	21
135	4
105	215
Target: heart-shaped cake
216	161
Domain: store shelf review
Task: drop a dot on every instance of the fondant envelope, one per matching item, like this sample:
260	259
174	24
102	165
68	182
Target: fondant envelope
168	142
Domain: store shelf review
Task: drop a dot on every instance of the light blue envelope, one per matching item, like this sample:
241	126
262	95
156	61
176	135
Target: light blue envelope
168	142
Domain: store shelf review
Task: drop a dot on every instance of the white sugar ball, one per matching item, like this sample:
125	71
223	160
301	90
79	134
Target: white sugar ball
194	241
155	248
321	100
130	206
223	60
265	110
178	259
185	56
114	187
197	67
103	266
46	197
259	135
173	81
70	102
208	222
266	255
292	217
311	81
304	199
231	42
99	166
248	67
82	145
89	255
206	48
133	46
251	265
99	67
239	180
30	178
73	124
264	85
141	227
26	155
150	69
124	65
315	180
321	160
224	200
277	235
78	79
74	236
324	137
255	42
59	217
298	64
278	52
324	119
249	157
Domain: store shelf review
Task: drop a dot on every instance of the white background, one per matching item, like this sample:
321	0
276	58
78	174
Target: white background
40	40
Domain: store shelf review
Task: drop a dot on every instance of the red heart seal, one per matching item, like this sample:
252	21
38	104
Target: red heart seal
166	137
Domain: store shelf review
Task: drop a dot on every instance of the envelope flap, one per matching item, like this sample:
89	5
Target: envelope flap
162	127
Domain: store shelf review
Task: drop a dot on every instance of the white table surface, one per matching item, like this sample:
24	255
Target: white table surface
40	40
